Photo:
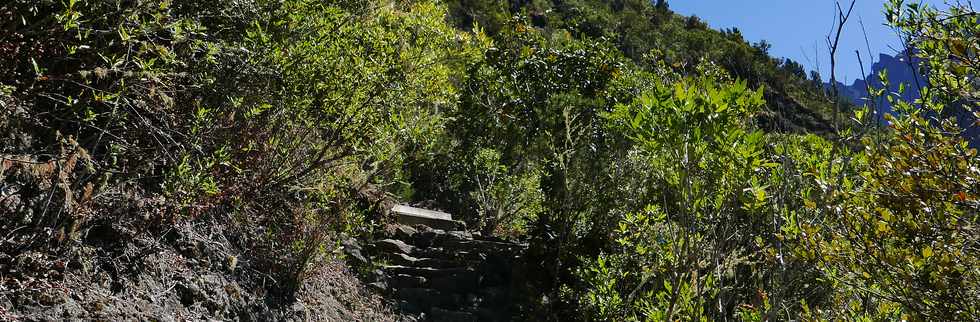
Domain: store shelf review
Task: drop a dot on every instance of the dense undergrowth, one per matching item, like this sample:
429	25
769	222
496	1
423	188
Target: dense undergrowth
660	170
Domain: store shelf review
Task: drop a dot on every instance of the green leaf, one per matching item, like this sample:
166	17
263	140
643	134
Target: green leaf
859	114
927	252
122	33
721	107
37	70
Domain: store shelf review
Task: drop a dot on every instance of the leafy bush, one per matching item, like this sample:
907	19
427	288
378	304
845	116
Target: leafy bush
672	259
508	200
900	239
117	82
351	86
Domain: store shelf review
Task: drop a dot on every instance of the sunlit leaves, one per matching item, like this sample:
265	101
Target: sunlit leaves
904	221
714	170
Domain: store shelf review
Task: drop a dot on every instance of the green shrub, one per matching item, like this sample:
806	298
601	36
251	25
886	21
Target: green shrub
119	82
672	260
897	234
508	200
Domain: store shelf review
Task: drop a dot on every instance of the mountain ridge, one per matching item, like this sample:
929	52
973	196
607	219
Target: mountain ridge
902	80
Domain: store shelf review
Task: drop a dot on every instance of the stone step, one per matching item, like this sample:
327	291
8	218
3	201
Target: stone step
399	259
438	269
490	238
428	238
425	236
398	281
402	232
406	260
443	263
427	298
434	257
460	283
393	246
478	246
427	272
439	253
448	249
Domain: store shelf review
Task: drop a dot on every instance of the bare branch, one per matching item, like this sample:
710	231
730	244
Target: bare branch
841	19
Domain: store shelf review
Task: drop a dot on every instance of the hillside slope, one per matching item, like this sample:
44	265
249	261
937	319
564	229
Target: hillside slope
651	36
601	160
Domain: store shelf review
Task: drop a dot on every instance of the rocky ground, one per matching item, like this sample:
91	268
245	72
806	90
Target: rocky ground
189	272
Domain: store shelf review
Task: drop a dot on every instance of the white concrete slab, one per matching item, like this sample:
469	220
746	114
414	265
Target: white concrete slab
412	211
434	219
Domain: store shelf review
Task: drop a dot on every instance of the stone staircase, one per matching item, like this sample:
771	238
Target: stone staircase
438	271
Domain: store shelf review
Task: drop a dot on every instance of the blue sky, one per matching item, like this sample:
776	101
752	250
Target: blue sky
797	29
